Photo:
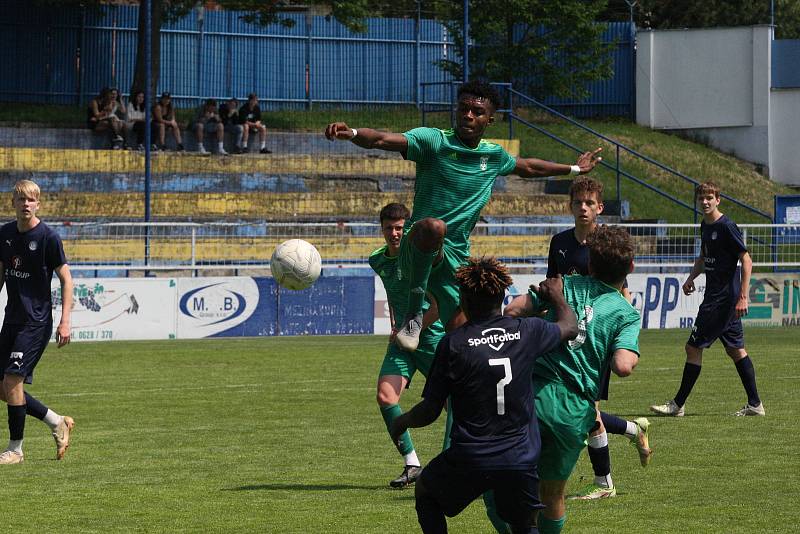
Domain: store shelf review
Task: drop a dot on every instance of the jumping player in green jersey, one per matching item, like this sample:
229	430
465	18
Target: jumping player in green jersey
567	380
399	366
456	170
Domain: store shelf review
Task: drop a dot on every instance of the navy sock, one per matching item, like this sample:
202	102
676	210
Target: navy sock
601	460
690	373
16	422
34	407
748	375
614	424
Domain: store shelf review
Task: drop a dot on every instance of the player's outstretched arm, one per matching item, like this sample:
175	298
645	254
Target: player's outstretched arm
423	414
367	137
63	332
538	168
552	290
623	362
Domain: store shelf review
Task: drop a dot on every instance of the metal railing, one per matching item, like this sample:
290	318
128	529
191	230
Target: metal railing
118	249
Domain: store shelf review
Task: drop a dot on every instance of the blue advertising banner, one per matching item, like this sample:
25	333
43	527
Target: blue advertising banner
244	306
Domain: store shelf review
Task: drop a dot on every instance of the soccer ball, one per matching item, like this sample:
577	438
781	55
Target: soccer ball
295	264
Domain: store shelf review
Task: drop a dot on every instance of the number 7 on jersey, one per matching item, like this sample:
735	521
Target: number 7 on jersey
501	385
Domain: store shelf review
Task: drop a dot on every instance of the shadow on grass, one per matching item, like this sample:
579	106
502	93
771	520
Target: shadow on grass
302	487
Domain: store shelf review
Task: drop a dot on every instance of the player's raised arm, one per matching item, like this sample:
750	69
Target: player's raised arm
367	137
537	168
552	290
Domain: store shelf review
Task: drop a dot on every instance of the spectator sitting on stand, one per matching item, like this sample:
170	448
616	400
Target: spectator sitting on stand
250	117
229	114
208	120
136	117
101	117
163	118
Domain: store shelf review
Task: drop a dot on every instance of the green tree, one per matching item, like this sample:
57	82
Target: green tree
542	47
666	14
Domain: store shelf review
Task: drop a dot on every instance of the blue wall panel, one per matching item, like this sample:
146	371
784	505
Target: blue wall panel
785	63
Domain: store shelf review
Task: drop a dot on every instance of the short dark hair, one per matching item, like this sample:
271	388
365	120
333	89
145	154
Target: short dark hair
584	184
481	90
252	96
611	252
483	282
394	211
707	188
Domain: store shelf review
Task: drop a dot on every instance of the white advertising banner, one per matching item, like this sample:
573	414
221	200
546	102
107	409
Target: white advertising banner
209	306
117	308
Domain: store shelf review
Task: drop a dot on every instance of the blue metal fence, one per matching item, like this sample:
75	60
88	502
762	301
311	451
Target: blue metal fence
65	56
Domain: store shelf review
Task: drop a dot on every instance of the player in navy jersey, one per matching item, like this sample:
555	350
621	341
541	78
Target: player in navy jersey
485	366
568	255
31	253
724	303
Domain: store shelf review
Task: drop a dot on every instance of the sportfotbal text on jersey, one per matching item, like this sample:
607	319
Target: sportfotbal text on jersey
494	340
17	274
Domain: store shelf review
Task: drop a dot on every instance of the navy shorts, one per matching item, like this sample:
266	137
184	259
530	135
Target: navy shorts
717	321
516	492
21	347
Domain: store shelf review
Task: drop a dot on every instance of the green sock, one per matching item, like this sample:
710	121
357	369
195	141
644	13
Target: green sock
491	512
421	265
550	526
390	413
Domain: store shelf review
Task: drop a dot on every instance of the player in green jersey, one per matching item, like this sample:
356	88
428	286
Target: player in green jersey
399	366
567	380
456	170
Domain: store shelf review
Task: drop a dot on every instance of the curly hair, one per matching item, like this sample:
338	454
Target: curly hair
611	252
394	211
707	188
584	184
483	282
481	90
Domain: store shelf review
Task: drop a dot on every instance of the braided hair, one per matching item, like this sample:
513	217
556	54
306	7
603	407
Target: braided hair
483	282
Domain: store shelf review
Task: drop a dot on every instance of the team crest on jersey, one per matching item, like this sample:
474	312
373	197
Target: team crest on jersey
713	235
16	262
33	245
484	162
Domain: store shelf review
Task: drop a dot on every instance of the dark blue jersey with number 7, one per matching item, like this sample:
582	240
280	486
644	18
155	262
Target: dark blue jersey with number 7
485	367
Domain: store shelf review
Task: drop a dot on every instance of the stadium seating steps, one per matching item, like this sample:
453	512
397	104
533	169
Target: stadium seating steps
305	179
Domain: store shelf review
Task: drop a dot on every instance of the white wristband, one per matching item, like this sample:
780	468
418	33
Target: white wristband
574	169
355	133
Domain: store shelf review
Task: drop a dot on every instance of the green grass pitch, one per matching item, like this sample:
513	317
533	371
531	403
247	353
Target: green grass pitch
283	435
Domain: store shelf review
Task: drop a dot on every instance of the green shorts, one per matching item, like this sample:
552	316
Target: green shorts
442	282
565	419
403	363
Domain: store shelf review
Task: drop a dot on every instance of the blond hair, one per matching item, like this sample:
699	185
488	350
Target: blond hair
27	189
